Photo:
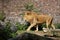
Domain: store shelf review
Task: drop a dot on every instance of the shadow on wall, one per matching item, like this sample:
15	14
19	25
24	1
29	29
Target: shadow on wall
29	36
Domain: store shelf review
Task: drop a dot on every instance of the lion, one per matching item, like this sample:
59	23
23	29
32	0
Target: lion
35	19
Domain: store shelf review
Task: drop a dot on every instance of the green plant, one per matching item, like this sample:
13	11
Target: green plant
29	6
2	16
44	25
8	30
21	26
57	25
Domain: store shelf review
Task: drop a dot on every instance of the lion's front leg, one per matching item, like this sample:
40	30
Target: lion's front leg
36	28
31	26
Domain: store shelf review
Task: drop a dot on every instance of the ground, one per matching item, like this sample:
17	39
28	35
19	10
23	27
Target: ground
41	33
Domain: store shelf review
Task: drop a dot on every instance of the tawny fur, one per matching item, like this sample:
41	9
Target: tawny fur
33	18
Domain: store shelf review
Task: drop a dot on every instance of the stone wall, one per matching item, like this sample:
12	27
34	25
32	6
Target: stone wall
0	5
13	8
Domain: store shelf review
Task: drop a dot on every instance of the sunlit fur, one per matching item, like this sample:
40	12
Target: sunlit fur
34	18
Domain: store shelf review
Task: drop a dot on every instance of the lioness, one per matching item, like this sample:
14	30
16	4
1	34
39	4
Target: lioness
35	19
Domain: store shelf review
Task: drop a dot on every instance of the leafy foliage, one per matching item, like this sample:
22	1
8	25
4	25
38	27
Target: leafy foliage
9	31
44	25
29	6
21	26
57	25
2	16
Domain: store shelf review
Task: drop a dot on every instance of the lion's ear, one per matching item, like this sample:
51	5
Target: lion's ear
27	13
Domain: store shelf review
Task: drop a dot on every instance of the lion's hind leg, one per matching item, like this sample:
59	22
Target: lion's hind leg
52	26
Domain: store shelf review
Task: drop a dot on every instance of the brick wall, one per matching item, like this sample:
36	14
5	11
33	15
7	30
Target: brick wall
13	8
